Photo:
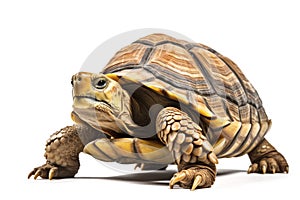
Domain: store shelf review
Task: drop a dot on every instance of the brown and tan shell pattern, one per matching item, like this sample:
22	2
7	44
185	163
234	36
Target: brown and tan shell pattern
200	77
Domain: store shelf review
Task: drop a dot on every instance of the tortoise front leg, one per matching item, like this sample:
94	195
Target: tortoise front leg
191	150
62	155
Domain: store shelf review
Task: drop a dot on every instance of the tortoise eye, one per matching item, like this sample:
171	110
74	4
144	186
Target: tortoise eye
101	83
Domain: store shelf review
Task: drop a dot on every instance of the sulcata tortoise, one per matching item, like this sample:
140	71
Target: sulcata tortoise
163	101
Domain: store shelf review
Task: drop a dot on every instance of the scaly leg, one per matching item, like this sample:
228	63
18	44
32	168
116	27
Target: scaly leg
191	150
62	155
266	159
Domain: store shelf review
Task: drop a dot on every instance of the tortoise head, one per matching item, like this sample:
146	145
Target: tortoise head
101	102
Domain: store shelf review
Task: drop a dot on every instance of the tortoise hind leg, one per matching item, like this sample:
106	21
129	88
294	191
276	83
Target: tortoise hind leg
191	150
151	166
266	159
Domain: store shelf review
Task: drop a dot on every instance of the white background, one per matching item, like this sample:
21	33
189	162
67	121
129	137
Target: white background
43	44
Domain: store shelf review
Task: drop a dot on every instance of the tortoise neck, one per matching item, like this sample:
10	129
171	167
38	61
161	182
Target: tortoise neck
124	117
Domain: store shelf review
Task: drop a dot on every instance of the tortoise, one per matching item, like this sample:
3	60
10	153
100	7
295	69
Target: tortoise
160	101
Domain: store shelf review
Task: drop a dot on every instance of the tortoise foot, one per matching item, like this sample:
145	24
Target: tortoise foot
62	154
275	163
194	177
151	166
266	159
50	171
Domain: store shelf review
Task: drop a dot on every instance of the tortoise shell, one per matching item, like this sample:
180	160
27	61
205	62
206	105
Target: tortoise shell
201	79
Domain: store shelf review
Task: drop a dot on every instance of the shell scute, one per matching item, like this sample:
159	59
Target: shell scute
201	78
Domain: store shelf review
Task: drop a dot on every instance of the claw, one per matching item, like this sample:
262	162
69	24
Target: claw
37	173
273	169
197	181
139	165
176	178
263	166
286	170
264	169
253	168
30	174
249	170
52	173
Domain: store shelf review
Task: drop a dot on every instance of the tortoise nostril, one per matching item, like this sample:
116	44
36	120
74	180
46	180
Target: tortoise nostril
75	78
